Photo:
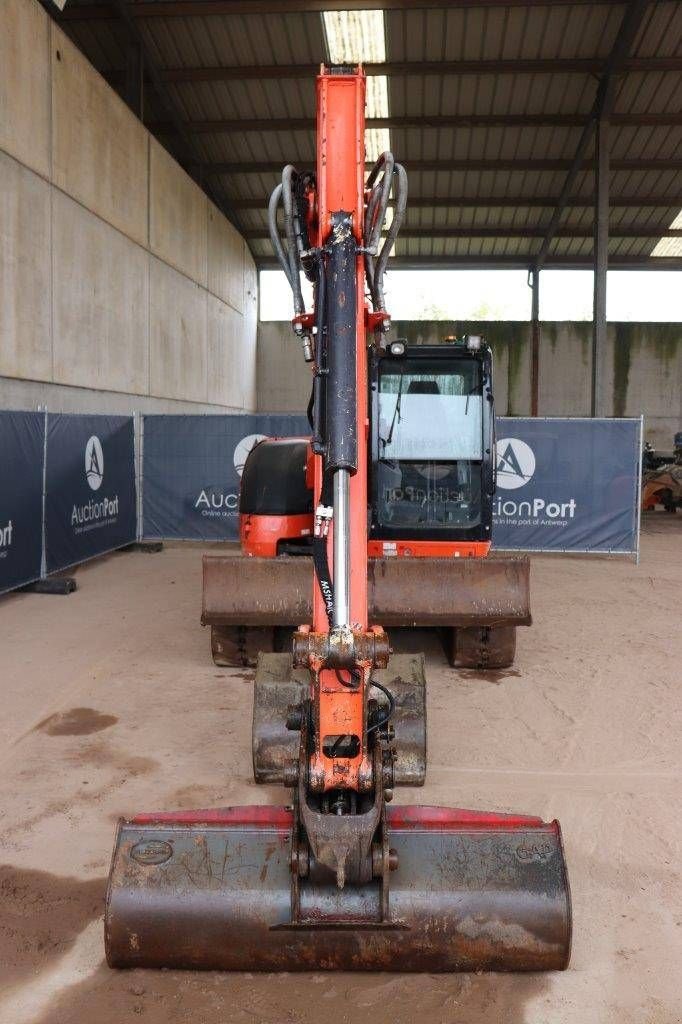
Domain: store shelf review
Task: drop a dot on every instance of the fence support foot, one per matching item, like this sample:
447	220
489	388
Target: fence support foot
51	585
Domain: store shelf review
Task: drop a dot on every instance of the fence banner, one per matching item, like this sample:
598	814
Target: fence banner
567	485
21	497
191	470
90	503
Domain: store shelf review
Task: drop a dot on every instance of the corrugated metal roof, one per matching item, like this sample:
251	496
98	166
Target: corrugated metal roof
553	32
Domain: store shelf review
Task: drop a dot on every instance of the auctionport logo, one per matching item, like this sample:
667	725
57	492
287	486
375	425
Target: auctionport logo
94	514
516	466
515	463
94	463
217	502
242	450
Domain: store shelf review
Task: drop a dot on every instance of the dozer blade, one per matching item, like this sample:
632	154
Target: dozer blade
212	889
465	592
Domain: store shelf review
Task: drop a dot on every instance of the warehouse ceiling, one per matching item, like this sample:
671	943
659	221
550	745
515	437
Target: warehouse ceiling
491	107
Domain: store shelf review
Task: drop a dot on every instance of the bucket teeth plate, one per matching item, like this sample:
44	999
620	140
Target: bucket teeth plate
211	889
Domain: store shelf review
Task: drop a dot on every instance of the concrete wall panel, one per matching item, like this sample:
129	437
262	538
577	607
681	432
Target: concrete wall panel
643	376
101	302
178	216
178	341
30	394
78	202
225	260
25	84
565	369
99	148
226	369
250	330
25	342
283	379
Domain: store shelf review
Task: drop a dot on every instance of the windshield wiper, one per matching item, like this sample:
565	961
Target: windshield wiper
471	392
396	412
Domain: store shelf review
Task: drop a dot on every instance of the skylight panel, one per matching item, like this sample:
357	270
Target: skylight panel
358	37
669	245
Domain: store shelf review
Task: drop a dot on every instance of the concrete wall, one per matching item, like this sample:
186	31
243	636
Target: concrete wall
642	369
121	285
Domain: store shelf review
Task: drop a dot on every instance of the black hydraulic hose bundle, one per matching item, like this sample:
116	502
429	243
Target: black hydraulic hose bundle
296	256
335	394
332	405
290	194
393	175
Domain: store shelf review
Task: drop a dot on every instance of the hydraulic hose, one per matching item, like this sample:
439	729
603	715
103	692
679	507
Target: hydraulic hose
375	213
398	217
282	257
289	175
382	719
393	176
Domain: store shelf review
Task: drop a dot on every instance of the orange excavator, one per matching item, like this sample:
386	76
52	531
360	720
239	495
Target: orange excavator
338	878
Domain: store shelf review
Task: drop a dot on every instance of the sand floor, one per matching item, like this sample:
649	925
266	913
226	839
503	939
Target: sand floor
111	704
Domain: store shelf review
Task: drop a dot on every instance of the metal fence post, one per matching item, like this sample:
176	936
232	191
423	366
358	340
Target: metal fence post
639	483
140	476
43	555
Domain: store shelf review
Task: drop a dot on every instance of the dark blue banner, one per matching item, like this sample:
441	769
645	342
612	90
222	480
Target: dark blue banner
90	505
567	485
192	466
21	497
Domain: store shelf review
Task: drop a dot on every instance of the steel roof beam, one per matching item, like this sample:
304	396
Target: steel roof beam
275	166
208	8
638	231
602	107
482	262
261	72
439	121
502	202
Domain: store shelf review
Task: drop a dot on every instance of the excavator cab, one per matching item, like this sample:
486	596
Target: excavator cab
432	476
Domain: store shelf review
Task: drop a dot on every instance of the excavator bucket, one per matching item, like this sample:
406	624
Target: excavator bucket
213	890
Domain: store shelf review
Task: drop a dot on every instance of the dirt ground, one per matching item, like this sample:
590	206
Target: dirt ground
111	705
